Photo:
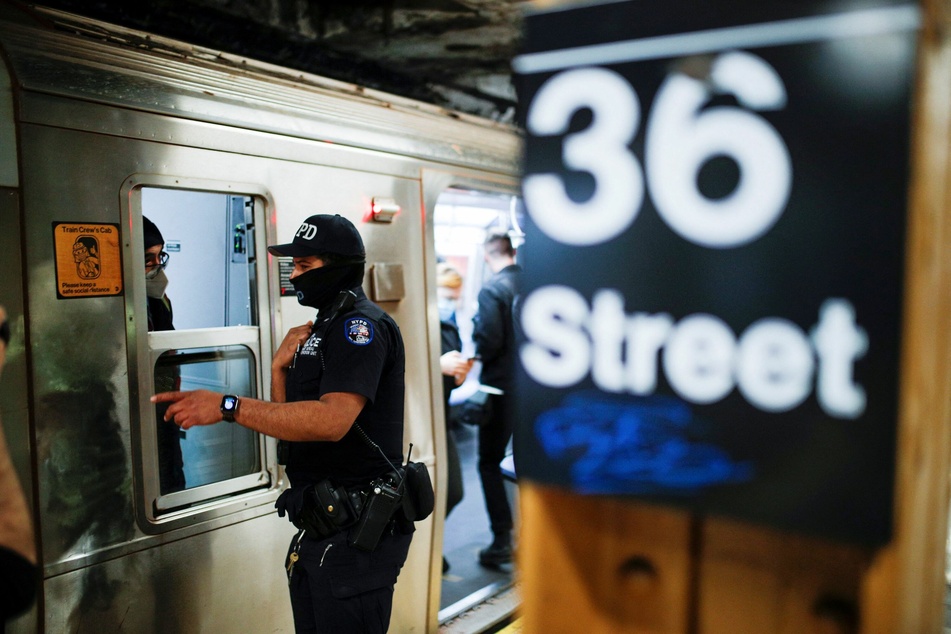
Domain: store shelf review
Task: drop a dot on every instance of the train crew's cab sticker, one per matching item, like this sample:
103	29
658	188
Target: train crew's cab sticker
359	331
88	260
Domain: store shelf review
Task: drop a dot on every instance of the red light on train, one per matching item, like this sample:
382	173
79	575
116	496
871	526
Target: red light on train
383	209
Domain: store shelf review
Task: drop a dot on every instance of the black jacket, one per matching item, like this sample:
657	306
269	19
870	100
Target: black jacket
160	314
450	341
494	328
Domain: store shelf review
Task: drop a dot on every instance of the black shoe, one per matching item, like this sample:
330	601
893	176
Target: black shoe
445	565
495	555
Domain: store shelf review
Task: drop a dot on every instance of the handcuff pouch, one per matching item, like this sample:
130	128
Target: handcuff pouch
334	504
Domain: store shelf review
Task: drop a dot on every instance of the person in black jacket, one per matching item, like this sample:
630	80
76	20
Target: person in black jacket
18	571
171	463
156	259
494	338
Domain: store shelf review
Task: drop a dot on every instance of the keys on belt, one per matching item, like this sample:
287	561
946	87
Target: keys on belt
294	556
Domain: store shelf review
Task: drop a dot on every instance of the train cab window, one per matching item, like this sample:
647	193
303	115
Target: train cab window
209	455
200	301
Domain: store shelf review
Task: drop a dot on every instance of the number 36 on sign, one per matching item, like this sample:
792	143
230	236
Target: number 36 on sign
680	137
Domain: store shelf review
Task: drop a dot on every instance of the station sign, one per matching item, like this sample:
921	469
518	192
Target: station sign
716	202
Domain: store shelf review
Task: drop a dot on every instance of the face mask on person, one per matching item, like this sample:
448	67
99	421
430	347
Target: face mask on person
318	287
156	282
447	308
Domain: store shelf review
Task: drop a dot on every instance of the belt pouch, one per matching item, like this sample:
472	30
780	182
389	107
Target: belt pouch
334	504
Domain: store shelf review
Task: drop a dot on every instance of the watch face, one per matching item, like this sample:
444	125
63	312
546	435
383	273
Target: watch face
229	405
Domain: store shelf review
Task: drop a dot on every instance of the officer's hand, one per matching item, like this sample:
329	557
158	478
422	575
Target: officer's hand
188	409
294	337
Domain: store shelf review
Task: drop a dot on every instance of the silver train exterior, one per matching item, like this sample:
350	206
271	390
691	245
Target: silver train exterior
94	119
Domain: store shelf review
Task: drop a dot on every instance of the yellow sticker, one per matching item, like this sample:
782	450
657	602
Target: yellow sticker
88	260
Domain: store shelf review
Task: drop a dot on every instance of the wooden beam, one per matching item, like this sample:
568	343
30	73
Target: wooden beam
904	591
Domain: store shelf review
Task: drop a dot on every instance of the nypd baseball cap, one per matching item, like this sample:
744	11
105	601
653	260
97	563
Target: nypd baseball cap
323	233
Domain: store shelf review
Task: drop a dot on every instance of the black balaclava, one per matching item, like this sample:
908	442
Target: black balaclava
318	287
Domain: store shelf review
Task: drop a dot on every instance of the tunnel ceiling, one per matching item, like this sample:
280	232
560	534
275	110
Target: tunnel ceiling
452	53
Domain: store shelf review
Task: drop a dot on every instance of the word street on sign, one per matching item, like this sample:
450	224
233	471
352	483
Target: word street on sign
714	256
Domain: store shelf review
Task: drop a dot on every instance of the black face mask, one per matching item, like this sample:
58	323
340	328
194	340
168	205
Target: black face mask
318	287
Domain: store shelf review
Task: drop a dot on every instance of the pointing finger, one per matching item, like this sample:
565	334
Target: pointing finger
167	397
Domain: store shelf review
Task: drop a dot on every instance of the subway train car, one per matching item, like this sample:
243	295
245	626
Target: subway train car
101	126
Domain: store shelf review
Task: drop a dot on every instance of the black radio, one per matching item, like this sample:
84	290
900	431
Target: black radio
383	499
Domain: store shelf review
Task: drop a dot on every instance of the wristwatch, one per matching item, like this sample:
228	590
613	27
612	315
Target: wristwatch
229	407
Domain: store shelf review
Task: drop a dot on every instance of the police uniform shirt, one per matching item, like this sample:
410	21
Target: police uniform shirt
359	351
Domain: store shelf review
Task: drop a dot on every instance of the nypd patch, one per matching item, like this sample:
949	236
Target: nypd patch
359	331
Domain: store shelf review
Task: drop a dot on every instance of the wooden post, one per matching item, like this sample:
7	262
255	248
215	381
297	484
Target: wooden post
905	589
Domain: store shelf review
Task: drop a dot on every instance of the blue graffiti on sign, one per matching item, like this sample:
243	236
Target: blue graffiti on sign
642	445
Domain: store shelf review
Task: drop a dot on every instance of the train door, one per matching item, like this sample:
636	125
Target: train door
463	217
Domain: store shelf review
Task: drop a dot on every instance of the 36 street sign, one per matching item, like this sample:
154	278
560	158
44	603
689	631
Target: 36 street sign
714	256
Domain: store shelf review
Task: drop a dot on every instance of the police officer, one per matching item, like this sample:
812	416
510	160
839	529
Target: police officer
337	408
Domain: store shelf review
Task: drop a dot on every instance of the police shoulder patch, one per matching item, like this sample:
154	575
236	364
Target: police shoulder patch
359	331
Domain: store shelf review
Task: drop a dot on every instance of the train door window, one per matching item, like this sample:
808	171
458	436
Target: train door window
200	302
462	220
204	456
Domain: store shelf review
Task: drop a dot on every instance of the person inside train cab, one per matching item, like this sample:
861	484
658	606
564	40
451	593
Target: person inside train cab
18	570
494	337
156	259
167	378
337	410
